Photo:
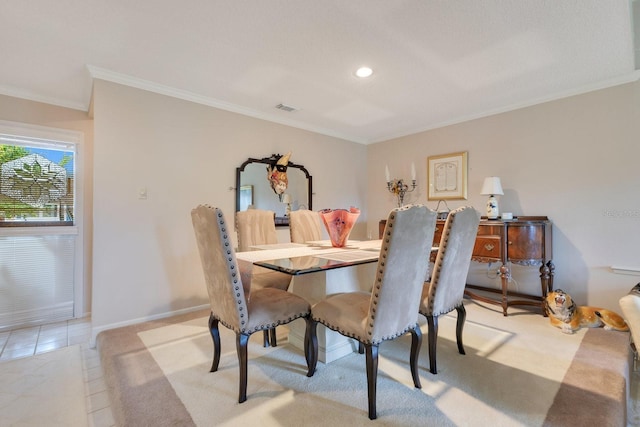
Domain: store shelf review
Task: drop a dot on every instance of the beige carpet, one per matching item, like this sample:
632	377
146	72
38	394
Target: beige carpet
518	371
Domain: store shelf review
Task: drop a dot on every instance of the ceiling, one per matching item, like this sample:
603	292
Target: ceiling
435	62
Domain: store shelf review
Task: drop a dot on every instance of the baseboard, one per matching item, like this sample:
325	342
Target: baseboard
95	331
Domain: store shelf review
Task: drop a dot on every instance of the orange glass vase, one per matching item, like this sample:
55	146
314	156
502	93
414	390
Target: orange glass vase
339	223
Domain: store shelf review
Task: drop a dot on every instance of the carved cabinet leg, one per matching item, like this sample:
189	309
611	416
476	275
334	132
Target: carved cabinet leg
545	283
504	276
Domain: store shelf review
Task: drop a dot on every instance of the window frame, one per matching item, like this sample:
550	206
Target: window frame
23	130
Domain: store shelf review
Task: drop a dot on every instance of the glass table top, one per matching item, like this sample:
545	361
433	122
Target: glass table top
312	263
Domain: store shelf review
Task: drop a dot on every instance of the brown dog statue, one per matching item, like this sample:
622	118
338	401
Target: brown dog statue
566	315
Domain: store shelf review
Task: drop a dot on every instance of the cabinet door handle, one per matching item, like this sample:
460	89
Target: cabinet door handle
489	246
510	242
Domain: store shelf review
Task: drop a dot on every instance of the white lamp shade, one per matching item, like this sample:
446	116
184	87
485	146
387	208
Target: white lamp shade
491	186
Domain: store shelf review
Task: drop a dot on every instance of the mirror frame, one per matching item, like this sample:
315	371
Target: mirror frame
268	161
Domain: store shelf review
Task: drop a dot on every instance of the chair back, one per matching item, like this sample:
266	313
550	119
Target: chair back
451	266
403	263
220	267
255	227
304	226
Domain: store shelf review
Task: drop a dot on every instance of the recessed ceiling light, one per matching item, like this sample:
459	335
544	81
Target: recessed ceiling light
364	72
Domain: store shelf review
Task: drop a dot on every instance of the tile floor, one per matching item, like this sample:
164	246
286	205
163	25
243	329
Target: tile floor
29	341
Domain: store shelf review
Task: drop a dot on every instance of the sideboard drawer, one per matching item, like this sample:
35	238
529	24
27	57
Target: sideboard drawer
487	248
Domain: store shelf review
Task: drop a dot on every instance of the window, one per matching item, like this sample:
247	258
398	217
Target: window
41	225
36	182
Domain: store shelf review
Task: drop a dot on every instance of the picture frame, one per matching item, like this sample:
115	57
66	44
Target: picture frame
447	176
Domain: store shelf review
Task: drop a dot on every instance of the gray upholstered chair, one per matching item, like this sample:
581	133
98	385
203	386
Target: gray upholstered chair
257	227
234	303
304	226
391	309
445	291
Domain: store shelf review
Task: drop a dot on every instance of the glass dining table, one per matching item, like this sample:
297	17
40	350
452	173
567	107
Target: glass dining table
319	270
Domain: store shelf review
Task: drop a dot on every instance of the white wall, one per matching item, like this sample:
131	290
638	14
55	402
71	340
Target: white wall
574	160
145	257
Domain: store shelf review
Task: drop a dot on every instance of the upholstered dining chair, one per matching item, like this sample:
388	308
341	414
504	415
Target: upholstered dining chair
444	292
391	309
257	227
304	226
234	303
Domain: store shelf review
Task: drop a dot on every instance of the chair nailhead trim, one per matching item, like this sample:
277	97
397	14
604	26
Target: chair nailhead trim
369	333
273	325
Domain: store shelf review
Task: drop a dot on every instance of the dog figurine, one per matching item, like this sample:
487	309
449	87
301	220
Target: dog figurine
566	315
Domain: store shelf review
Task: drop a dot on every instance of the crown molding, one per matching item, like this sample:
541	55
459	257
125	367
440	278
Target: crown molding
31	96
126	80
617	81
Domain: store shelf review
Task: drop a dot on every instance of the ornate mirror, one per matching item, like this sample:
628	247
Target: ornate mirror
254	187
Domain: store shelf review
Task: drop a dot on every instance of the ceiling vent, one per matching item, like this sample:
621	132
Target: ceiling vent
287	108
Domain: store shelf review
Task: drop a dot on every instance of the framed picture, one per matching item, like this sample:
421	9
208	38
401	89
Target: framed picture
246	197
447	176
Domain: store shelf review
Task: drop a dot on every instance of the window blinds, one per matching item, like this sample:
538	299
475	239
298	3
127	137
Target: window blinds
36	279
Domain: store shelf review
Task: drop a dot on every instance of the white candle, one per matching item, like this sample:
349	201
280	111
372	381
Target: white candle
413	171
386	172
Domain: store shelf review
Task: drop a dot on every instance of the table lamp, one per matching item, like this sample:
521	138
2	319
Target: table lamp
286	199
492	187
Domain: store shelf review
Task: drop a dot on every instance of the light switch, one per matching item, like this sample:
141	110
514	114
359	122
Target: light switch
142	193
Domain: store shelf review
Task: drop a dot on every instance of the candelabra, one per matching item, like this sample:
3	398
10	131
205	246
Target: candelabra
399	187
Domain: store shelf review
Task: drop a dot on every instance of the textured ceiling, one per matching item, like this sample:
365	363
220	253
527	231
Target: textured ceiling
435	62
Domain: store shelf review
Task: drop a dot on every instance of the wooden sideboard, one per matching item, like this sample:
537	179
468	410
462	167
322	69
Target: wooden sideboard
524	240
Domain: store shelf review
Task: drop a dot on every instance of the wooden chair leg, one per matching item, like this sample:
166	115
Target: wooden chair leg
265	337
242	341
308	351
311	346
372	377
360	348
432	322
416	343
215	336
462	315
274	341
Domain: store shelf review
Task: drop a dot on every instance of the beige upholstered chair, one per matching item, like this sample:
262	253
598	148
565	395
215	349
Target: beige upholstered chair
630	306
257	227
445	291
233	303
391	309
305	226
